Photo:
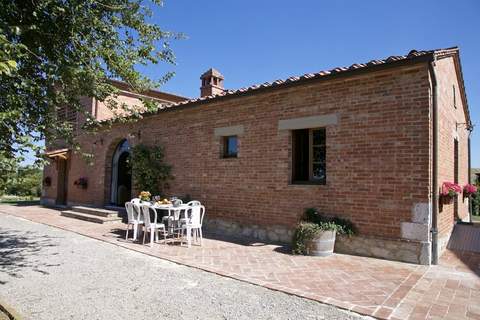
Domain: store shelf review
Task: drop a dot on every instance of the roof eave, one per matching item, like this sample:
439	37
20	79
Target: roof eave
343	74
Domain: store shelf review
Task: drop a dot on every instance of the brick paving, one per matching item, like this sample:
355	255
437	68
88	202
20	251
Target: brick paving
379	288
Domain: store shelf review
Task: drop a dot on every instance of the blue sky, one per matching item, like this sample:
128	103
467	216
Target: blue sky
257	41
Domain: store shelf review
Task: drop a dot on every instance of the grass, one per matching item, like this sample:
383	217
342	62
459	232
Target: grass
19	200
476	219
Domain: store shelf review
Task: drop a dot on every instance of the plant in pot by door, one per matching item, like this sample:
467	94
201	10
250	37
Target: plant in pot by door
469	190
316	234
449	191
81	182
47	182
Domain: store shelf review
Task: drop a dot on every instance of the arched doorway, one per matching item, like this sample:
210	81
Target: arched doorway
121	184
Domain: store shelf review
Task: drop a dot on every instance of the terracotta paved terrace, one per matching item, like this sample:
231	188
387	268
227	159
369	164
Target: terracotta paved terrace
379	288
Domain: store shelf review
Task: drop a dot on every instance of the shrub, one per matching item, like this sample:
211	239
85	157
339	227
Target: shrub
149	170
343	226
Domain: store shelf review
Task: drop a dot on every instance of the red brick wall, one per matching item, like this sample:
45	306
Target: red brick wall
377	154
448	117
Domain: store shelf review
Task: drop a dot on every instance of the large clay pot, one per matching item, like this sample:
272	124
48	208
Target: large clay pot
322	244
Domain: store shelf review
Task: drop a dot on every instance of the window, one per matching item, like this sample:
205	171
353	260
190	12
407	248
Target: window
230	147
309	155
454	97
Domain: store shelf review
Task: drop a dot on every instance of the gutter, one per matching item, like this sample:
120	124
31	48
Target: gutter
470	207
435	201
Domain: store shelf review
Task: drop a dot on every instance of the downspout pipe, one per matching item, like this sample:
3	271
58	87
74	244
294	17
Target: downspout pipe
470	207
435	200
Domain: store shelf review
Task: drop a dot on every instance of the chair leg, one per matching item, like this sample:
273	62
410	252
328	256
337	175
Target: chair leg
126	234
164	235
189	237
201	236
152	236
135	231
144	233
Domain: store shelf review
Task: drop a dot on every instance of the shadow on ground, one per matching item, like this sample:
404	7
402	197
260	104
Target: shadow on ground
464	243
244	241
21	250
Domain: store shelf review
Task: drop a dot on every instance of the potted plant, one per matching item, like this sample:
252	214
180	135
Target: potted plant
145	196
81	183
47	182
449	191
315	234
468	190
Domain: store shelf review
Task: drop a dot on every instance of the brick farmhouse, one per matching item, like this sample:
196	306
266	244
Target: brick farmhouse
372	143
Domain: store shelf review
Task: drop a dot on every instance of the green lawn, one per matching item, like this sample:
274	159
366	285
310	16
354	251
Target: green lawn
18	200
476	219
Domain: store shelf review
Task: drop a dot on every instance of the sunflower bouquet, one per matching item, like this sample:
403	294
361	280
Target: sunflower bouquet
145	196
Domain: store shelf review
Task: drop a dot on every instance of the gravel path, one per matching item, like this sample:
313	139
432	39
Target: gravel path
49	273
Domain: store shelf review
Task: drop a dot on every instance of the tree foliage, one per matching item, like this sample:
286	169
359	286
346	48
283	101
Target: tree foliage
23	181
149	170
53	52
476	199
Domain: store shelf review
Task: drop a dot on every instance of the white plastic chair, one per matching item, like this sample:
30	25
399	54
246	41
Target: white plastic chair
190	204
150	226
177	202
134	218
136	201
193	224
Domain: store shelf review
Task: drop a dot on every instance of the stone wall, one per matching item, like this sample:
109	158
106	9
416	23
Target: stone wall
273	233
411	251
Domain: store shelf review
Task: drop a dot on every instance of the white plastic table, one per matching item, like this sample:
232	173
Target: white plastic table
177	210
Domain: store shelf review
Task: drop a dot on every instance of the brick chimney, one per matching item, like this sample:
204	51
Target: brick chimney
212	83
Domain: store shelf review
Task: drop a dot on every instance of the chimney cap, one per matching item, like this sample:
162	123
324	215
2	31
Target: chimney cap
212	73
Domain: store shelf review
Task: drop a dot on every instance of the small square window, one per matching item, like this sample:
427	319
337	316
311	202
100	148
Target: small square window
230	147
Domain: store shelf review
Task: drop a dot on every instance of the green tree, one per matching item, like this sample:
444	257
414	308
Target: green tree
53	52
8	170
476	199
27	181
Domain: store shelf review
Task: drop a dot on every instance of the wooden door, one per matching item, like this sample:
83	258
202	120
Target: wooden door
62	182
